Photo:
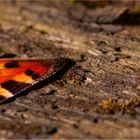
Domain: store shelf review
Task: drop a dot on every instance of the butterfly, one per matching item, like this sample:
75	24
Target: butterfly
17	75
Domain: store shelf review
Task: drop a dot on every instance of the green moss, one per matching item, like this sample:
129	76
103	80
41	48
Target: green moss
112	106
69	78
91	3
135	9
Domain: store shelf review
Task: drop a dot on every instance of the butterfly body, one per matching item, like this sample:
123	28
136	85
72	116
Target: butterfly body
17	75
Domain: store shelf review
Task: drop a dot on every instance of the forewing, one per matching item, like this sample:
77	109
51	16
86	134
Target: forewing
18	75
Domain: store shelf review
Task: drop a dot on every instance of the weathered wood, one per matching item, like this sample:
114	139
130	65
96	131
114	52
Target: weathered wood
98	97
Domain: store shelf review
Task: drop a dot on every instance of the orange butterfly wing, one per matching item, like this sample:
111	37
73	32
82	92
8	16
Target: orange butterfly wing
17	75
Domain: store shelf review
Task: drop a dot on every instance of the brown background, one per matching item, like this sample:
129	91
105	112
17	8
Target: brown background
98	97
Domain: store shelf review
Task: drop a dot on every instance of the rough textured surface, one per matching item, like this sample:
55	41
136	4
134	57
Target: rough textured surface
98	97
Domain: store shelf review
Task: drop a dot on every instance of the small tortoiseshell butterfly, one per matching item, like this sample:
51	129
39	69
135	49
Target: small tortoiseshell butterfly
17	75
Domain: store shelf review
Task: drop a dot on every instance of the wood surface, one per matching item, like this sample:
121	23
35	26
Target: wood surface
98	96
